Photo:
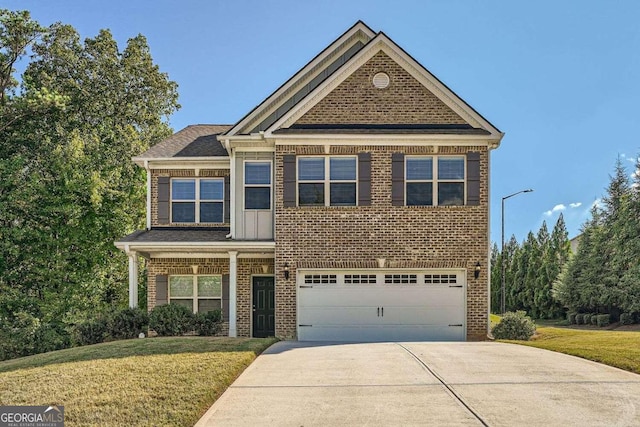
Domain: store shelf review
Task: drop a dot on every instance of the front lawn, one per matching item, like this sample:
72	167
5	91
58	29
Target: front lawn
152	381
619	349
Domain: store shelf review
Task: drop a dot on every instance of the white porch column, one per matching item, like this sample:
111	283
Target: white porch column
133	279
233	281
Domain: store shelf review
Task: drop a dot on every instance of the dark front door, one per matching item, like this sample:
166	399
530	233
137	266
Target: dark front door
264	319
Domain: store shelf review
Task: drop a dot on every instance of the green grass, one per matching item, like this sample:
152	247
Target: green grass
619	349
157	381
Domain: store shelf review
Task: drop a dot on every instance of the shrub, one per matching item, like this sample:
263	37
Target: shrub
580	319
51	336
208	323
603	319
91	331
171	320
586	319
626	318
127	323
594	319
571	318
514	326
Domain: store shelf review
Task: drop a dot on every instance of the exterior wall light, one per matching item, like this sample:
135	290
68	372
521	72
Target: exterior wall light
476	271
286	271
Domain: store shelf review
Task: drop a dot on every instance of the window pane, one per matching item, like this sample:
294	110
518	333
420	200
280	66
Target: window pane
183	211
257	173
342	168
420	168
211	189
450	168
209	286
419	194
183	189
186	302
343	194
311	168
450	193
205	305
311	194
180	286
211	212
257	198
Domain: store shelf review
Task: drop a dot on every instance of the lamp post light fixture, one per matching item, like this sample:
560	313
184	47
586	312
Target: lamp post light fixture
502	293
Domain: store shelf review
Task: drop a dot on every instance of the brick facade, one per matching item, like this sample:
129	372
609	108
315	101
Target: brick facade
180	173
247	268
357	101
455	236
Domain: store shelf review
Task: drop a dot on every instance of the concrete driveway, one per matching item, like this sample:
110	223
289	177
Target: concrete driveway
435	384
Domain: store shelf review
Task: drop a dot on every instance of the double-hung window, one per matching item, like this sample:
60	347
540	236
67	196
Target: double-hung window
327	181
257	185
197	293
435	180
197	200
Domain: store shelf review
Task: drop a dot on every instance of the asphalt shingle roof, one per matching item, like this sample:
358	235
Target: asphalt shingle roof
173	234
192	141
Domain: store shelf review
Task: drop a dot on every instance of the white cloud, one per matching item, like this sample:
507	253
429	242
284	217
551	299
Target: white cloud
575	205
556	208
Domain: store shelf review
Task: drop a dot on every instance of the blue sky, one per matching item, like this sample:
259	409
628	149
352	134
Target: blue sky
560	78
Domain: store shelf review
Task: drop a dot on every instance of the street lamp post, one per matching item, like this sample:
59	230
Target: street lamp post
502	293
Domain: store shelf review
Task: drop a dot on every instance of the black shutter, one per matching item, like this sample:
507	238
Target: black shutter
163	199
473	178
227	199
225	297
364	179
397	179
289	180
162	285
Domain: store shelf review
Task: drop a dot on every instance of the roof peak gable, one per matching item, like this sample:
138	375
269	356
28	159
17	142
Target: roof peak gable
359	32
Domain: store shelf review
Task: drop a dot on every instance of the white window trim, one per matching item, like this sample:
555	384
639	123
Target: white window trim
195	298
327	181
435	181
197	200
245	185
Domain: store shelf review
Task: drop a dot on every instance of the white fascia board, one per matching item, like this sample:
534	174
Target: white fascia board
195	254
384	44
216	162
293	81
386	139
196	246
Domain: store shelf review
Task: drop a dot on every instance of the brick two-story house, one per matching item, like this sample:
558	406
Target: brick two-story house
351	204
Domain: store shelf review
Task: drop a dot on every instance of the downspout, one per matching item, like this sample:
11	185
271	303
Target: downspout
146	167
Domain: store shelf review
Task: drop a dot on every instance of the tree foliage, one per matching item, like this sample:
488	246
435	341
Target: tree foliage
604	274
69	125
530	271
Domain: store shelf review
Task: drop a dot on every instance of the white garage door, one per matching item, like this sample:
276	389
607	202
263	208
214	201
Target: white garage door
381	306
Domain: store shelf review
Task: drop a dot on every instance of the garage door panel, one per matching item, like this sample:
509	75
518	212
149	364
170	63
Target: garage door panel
380	334
343	315
384	309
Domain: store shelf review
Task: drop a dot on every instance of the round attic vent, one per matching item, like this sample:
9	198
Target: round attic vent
381	80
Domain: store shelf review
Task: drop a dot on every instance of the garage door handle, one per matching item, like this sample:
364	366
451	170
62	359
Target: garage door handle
382	311
460	325
455	286
378	311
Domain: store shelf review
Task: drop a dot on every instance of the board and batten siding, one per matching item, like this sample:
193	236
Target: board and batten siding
252	224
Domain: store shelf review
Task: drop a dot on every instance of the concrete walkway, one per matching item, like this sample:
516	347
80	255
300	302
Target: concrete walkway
435	384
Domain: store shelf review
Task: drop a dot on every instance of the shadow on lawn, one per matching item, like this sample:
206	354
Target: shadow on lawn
140	347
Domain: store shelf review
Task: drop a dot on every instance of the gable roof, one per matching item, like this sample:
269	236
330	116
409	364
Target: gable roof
192	141
335	64
304	81
382	43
